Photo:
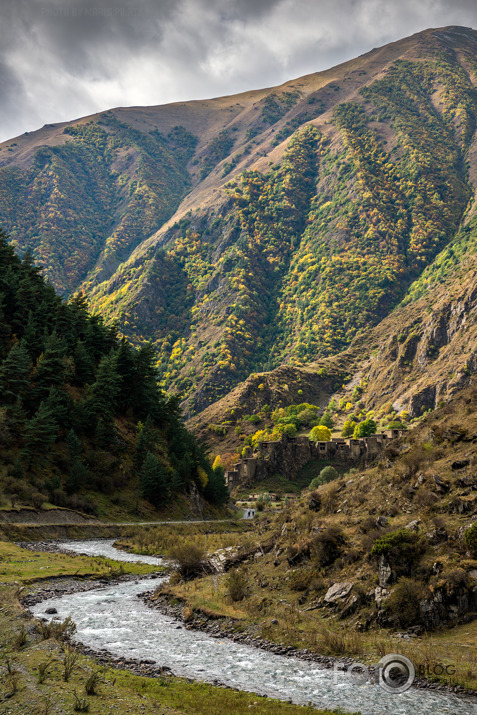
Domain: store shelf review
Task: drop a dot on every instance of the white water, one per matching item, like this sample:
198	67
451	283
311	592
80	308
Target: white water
113	618
104	547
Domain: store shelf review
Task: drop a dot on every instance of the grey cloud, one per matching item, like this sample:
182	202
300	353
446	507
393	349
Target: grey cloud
60	59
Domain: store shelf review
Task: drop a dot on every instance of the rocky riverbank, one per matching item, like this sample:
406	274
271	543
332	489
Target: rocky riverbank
216	627
67	585
224	627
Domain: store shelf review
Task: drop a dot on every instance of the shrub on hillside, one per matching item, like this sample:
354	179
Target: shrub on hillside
300	579
348	428
189	559
237	585
327	474
364	429
327	545
470	539
403	603
327	420
402	548
290	430
307	416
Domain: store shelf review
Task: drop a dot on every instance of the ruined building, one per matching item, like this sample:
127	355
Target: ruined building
286	456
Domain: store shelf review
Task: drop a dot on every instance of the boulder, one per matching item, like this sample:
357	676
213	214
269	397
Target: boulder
442	485
315	502
437	536
350	606
460	464
413	525
338	591
380	595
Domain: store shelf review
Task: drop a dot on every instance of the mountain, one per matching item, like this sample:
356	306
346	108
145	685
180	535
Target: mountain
83	423
267	229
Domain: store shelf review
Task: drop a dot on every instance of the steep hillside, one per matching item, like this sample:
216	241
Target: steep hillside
82	418
415	360
311	210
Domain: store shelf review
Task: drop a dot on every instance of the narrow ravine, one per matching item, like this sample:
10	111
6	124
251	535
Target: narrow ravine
116	620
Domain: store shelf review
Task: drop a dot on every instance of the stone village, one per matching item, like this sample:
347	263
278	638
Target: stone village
288	455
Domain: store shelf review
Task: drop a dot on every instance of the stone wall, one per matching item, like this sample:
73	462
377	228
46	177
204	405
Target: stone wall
288	455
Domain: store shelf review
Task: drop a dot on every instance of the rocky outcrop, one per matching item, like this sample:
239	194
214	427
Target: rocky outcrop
385	573
338	592
448	604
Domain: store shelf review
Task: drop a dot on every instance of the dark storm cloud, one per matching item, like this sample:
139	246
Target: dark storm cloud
61	59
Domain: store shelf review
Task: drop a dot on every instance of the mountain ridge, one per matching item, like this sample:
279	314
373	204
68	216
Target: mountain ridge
234	261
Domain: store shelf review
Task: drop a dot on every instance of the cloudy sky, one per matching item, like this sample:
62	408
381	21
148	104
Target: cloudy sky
62	59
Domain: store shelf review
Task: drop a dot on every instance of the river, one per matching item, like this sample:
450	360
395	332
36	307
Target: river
115	619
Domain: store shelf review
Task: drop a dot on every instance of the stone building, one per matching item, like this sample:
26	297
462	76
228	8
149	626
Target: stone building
287	455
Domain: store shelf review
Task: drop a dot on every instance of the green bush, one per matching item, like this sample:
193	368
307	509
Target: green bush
188	558
403	603
470	539
327	474
394	541
307	416
327	420
348	428
364	429
236	585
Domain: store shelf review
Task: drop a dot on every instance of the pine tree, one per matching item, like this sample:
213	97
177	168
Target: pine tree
105	434
75	448
78	476
50	367
145	442
5	330
17	471
84	364
216	490
127	371
39	434
33	337
153	480
59	404
14	374
105	390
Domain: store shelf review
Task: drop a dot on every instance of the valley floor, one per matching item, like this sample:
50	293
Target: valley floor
27	650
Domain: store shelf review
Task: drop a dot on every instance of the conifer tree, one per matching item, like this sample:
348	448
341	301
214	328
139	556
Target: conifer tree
105	390
14	374
50	366
127	371
153	480
216	489
83	364
39	434
145	442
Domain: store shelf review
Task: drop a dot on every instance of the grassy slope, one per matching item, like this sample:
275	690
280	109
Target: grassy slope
119	691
